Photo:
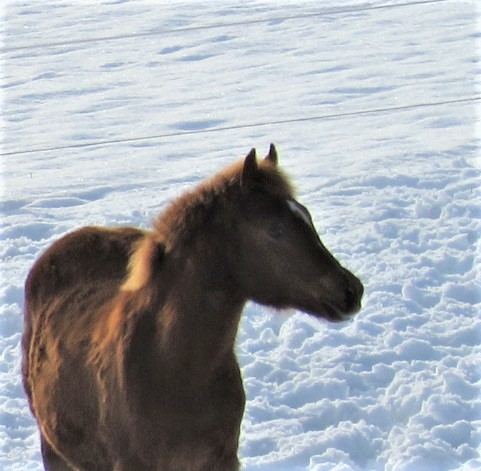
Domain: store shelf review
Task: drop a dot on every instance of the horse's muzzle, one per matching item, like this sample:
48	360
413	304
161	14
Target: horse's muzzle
354	292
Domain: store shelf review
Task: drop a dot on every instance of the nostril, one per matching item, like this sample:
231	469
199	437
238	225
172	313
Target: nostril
351	298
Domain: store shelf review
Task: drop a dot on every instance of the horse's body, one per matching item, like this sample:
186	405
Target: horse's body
129	335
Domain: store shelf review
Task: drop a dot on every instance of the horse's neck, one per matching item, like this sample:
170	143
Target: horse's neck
181	335
198	322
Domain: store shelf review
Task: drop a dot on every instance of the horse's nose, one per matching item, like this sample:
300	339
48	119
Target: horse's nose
354	292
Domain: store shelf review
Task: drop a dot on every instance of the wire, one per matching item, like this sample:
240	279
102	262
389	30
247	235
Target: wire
325	12
243	126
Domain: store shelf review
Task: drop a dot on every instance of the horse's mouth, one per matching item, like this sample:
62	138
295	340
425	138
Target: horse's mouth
333	314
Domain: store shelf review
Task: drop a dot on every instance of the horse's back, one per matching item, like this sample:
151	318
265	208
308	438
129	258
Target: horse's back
89	254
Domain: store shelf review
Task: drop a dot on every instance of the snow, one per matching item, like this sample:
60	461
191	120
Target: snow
394	195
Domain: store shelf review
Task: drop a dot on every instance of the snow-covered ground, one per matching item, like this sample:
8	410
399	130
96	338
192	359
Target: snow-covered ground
394	194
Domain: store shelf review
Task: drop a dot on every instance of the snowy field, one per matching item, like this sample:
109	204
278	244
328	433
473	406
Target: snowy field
112	108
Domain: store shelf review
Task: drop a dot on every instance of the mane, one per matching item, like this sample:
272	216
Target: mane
146	254
176	224
184	216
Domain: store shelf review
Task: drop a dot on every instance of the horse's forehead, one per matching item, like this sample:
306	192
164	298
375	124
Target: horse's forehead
301	212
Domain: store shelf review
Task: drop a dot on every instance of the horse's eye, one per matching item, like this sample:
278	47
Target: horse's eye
277	230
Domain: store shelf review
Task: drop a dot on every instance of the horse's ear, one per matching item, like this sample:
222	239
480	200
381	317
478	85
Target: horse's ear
250	167
272	155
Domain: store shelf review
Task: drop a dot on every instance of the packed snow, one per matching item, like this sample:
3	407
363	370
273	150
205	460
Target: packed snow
390	174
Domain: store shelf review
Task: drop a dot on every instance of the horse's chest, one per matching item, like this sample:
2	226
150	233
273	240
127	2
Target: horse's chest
197	421
201	405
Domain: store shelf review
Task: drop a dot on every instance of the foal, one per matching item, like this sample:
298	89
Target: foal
128	347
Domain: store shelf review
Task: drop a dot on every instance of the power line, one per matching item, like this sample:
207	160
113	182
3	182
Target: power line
243	126
324	12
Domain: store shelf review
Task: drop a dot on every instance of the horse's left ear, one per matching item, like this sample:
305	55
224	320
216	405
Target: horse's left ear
272	155
250	167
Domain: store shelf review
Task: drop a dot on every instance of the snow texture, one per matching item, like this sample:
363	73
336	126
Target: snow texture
394	195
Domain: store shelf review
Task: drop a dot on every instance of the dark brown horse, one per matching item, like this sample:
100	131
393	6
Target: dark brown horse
128	349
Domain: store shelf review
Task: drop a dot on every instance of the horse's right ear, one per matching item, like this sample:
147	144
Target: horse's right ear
272	155
250	167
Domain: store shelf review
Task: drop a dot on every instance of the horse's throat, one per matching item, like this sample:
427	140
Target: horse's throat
202	330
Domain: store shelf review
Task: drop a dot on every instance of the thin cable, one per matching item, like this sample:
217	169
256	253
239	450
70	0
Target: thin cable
241	126
325	12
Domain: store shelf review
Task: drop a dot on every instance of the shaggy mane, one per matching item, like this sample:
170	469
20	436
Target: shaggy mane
185	214
146	254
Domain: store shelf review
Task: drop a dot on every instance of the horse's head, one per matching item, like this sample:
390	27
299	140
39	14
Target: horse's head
281	260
